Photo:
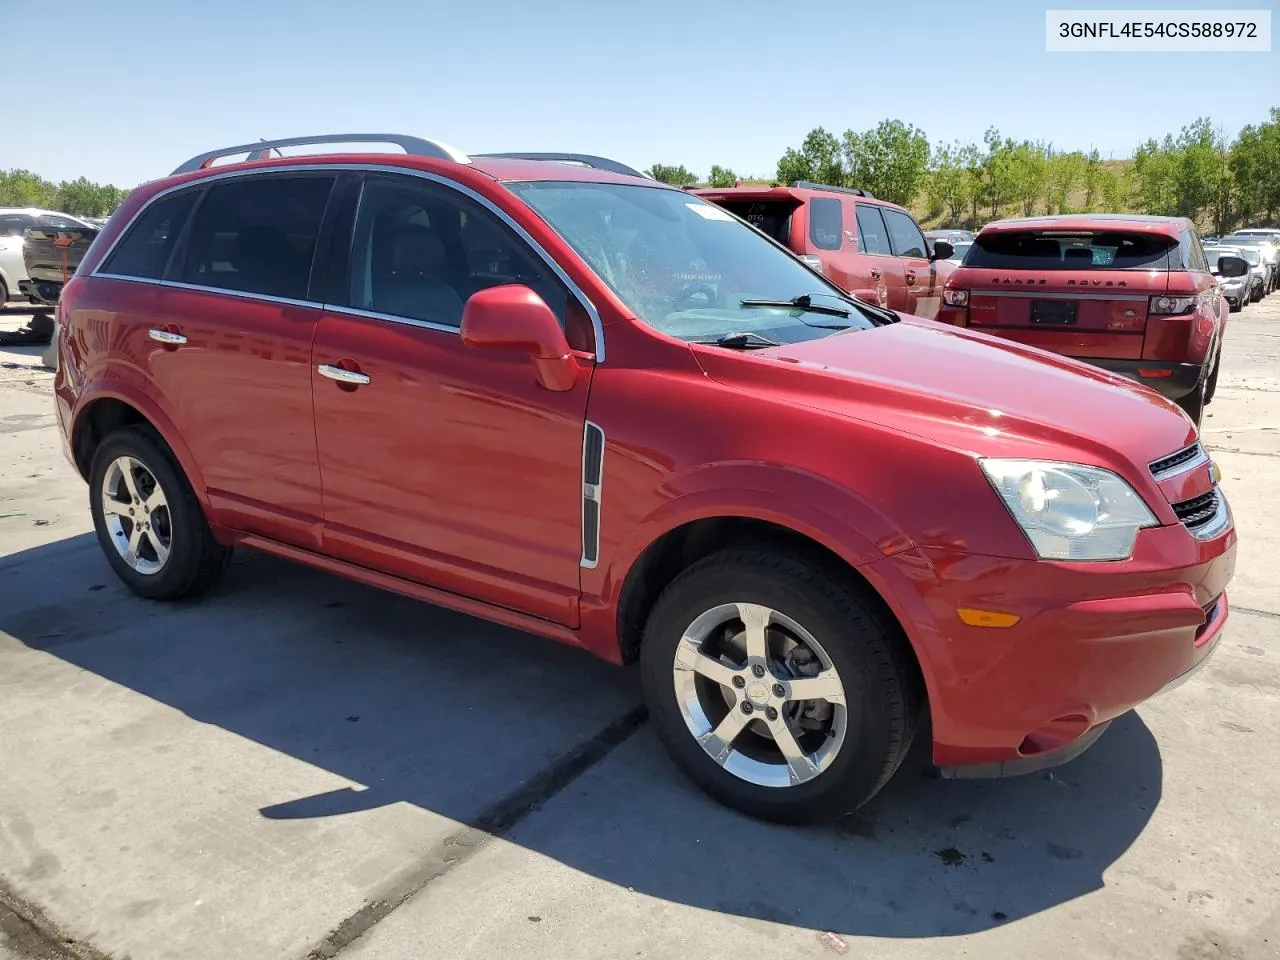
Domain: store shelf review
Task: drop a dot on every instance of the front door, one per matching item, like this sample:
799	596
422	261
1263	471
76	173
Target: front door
443	464
884	268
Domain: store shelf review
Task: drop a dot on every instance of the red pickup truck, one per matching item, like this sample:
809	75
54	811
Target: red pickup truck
872	248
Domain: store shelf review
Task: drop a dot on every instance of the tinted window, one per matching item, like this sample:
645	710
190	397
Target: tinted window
1097	250
685	266
771	216
257	235
146	248
420	250
16	224
1193	253
872	235
825	225
904	235
54	222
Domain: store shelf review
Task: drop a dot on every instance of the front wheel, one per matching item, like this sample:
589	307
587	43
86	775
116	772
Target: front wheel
777	688
148	520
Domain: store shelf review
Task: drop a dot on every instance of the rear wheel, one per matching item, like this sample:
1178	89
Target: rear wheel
1212	387
1193	403
776	688
4	293
148	520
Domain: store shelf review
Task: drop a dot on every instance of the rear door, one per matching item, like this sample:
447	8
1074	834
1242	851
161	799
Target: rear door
918	275
884	268
1082	293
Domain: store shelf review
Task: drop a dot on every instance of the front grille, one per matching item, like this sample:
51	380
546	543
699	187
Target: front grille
1179	462
1206	516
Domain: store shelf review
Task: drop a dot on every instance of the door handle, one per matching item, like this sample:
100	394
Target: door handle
167	336
875	274
341	375
911	278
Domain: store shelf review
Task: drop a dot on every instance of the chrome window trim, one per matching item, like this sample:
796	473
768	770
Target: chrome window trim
392	318
201	288
1199	460
1028	291
592	492
596	325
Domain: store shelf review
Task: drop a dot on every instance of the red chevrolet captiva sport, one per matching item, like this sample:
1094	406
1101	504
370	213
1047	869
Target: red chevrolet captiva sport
547	391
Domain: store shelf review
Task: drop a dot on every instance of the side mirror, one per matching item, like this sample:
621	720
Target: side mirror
1233	266
942	250
513	317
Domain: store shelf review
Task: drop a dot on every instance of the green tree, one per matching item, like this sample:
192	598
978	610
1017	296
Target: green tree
947	185
1092	173
1065	172
889	160
1028	172
1155	177
817	160
1000	174
677	176
722	177
22	188
83	198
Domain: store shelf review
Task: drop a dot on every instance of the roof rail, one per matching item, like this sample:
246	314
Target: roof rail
809	185
581	159
414	146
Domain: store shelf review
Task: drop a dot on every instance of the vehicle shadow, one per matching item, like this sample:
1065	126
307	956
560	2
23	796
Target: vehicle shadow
450	714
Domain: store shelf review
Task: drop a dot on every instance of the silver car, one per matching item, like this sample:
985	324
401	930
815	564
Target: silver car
1236	289
1267	242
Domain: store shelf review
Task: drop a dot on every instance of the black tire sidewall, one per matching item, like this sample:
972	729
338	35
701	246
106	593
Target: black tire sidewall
859	769
186	522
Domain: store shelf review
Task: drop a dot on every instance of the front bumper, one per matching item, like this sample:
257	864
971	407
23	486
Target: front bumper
1173	380
1091	642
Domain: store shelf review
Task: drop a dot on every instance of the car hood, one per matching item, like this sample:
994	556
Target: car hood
974	392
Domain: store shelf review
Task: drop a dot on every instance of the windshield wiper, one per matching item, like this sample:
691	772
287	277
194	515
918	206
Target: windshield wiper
802	302
740	341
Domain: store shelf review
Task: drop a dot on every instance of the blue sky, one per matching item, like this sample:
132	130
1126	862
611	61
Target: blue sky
137	86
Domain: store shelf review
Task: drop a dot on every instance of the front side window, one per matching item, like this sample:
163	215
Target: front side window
873	236
257	235
687	267
145	249
825	225
420	250
1074	250
904	235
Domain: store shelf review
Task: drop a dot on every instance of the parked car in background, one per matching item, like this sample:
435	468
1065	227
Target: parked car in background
1235	289
950	236
14	223
1131	294
1269	251
869	247
958	250
1259	271
52	248
825	528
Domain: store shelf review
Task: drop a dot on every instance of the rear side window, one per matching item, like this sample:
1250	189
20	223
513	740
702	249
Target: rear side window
1086	250
146	248
904	235
825	225
257	235
872	235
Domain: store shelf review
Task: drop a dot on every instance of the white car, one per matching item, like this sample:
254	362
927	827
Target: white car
14	222
1268	244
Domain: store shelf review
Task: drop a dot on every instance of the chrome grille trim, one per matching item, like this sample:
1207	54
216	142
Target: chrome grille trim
1179	462
1206	516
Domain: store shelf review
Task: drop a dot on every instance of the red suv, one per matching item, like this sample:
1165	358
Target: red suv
496	384
871	248
1131	294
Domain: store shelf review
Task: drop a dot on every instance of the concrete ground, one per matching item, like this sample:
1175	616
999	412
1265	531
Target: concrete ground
301	767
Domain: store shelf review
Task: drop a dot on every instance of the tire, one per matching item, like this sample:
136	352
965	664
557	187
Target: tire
869	659
191	560
1212	386
4	293
1235	306
1193	403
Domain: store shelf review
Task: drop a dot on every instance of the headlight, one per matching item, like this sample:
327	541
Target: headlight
1069	511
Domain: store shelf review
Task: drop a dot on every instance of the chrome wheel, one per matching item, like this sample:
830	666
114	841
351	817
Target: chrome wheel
136	513
760	694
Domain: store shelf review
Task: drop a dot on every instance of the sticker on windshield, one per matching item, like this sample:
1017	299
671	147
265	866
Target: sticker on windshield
709	211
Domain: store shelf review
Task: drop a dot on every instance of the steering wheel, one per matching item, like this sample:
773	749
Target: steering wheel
695	295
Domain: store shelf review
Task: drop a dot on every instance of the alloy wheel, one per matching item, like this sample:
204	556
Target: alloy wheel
760	695
136	512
